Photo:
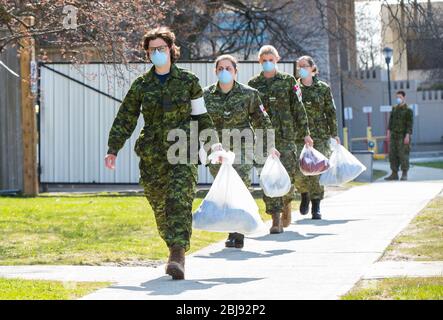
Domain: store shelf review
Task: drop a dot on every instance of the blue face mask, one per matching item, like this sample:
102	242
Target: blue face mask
268	66
224	76
399	100
159	59
303	73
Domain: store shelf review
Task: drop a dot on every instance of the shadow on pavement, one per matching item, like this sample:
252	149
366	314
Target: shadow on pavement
290	236
324	222
238	255
166	286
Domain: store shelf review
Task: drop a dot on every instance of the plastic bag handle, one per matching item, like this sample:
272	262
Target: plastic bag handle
228	156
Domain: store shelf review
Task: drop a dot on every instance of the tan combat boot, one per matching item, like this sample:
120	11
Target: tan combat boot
176	263
393	176
286	216
404	175
276	224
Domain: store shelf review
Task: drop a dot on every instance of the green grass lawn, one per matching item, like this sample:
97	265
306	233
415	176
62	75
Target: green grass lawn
377	174
17	289
398	289
89	230
436	165
423	238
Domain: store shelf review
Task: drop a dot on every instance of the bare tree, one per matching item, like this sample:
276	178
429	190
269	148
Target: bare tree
110	30
419	26
206	28
368	34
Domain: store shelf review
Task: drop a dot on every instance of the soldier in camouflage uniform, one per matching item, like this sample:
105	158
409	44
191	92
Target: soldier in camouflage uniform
399	134
288	116
233	105
320	108
168	98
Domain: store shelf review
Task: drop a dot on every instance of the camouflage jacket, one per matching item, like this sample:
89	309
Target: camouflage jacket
240	108
280	101
164	107
401	120
320	108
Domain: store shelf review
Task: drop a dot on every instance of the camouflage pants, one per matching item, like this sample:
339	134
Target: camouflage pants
399	154
243	171
275	205
311	184
170	190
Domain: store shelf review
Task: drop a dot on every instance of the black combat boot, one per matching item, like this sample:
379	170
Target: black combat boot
239	240
392	177
404	175
316	209
304	204
230	242
176	262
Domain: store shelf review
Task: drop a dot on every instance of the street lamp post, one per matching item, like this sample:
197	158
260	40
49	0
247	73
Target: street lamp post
387	52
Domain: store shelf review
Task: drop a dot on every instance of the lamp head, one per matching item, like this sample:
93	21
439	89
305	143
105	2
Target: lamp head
387	52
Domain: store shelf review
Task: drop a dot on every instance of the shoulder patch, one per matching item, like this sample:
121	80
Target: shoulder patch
297	90
263	110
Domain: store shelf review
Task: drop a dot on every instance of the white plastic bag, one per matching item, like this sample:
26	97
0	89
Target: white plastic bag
228	206
274	179
345	166
313	162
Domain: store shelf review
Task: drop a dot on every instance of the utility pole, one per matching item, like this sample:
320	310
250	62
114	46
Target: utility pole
29	122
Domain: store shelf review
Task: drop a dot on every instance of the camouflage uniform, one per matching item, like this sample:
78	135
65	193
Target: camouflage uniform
287	116
170	189
240	108
320	108
400	123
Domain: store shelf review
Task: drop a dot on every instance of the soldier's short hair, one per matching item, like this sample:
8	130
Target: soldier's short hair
311	63
228	57
402	93
268	49
167	36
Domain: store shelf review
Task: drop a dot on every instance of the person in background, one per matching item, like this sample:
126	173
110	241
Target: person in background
399	135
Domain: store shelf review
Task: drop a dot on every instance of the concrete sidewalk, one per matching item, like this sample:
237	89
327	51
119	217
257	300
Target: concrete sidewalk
415	174
310	260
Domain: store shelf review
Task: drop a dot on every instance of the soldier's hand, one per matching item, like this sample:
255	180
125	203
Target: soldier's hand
275	153
406	140
309	141
110	161
217	147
